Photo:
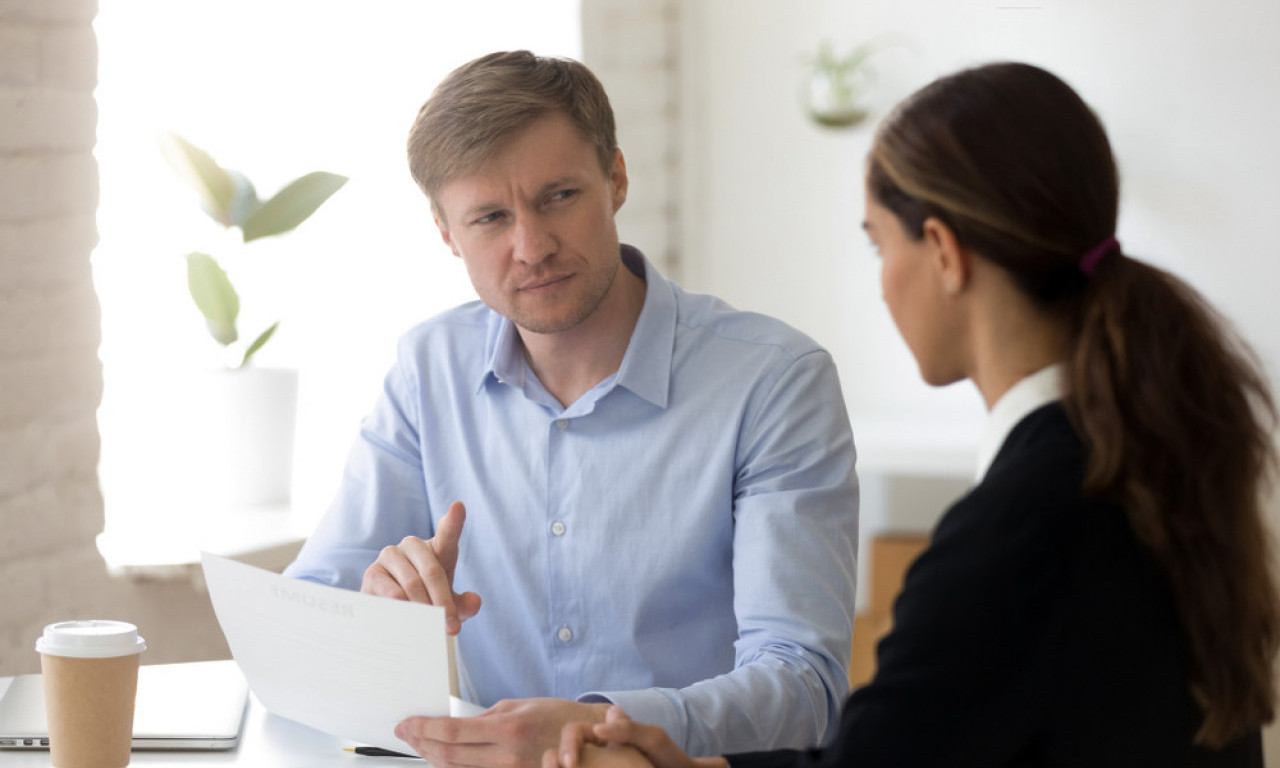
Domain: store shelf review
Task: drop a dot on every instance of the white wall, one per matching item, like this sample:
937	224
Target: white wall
1189	91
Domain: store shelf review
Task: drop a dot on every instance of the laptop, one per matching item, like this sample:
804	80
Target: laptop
194	706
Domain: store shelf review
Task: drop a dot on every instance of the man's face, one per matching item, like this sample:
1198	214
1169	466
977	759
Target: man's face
534	226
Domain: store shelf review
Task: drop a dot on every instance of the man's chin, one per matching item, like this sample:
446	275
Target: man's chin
550	321
546	326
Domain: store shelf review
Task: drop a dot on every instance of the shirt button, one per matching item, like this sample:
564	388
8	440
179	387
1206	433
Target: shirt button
565	634
558	528
563	424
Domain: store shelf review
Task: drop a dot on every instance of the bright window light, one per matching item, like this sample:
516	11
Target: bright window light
273	89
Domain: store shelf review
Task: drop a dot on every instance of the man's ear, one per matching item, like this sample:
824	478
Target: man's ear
618	180
444	234
951	260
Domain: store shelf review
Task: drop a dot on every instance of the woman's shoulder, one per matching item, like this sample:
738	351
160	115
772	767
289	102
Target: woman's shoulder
1035	480
1030	513
1043	447
1031	522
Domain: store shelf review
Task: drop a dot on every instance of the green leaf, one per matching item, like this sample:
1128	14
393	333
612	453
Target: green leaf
214	296
857	56
292	205
216	187
258	342
244	203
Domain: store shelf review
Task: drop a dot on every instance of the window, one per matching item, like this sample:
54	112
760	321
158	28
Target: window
274	89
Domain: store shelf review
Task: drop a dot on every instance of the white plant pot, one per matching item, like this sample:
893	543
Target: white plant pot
249	415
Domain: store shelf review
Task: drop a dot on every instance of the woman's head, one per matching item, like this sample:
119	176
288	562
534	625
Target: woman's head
1011	165
1013	161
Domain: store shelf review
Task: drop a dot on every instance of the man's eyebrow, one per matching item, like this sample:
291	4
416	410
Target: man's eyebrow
489	207
563	181
482	208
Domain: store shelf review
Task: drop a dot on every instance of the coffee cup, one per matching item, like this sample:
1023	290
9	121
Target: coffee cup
90	672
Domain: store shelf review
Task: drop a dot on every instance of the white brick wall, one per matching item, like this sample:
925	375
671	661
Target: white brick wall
50	377
633	47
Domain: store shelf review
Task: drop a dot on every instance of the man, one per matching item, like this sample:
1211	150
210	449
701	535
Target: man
661	504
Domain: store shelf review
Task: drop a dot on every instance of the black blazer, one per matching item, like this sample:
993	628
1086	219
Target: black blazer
1034	631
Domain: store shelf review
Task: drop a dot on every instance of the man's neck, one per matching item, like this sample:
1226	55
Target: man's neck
569	363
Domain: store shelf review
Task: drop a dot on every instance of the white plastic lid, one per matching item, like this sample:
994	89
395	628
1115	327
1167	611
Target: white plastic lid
90	639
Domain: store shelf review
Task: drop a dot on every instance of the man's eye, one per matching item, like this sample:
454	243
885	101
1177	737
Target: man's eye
563	194
488	218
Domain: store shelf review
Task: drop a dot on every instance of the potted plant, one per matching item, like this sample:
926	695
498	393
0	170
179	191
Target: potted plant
229	198
247	415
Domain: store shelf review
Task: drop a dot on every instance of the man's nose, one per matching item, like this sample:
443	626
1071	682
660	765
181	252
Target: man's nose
534	240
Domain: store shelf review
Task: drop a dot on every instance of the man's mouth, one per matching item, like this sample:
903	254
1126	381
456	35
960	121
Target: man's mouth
544	282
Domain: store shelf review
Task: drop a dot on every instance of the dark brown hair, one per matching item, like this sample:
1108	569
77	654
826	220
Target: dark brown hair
1173	406
482	103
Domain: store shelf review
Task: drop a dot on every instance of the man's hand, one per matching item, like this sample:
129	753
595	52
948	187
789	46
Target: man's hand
513	733
422	571
620	742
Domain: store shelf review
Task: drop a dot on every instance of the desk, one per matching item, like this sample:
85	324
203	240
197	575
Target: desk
268	742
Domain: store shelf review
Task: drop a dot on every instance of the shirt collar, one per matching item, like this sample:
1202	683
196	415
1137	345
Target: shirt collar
646	366
503	352
1042	387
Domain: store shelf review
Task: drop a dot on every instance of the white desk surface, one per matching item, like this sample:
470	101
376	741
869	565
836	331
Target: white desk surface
268	741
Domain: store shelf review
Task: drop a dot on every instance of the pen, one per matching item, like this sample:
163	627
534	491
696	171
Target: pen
376	752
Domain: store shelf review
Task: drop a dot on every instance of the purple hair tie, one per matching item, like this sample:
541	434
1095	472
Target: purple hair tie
1091	259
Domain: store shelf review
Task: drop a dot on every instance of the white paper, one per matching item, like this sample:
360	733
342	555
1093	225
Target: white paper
345	663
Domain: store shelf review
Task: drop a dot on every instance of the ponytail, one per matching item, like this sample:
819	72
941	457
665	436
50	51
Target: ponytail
1177	416
1174	409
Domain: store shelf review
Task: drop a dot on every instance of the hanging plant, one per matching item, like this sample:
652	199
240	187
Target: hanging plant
837	85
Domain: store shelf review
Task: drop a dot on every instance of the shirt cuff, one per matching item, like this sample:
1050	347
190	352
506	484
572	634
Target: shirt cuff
651	706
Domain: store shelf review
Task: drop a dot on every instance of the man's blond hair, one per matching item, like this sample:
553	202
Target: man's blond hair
481	104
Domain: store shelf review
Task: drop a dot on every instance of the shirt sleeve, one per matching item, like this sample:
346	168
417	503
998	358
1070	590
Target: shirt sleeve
794	560
382	496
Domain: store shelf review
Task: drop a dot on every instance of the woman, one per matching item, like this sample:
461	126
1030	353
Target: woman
1102	596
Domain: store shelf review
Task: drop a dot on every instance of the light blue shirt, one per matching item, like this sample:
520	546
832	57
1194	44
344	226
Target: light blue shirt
680	541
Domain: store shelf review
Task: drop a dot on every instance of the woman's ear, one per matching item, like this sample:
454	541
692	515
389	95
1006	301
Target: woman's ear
950	260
